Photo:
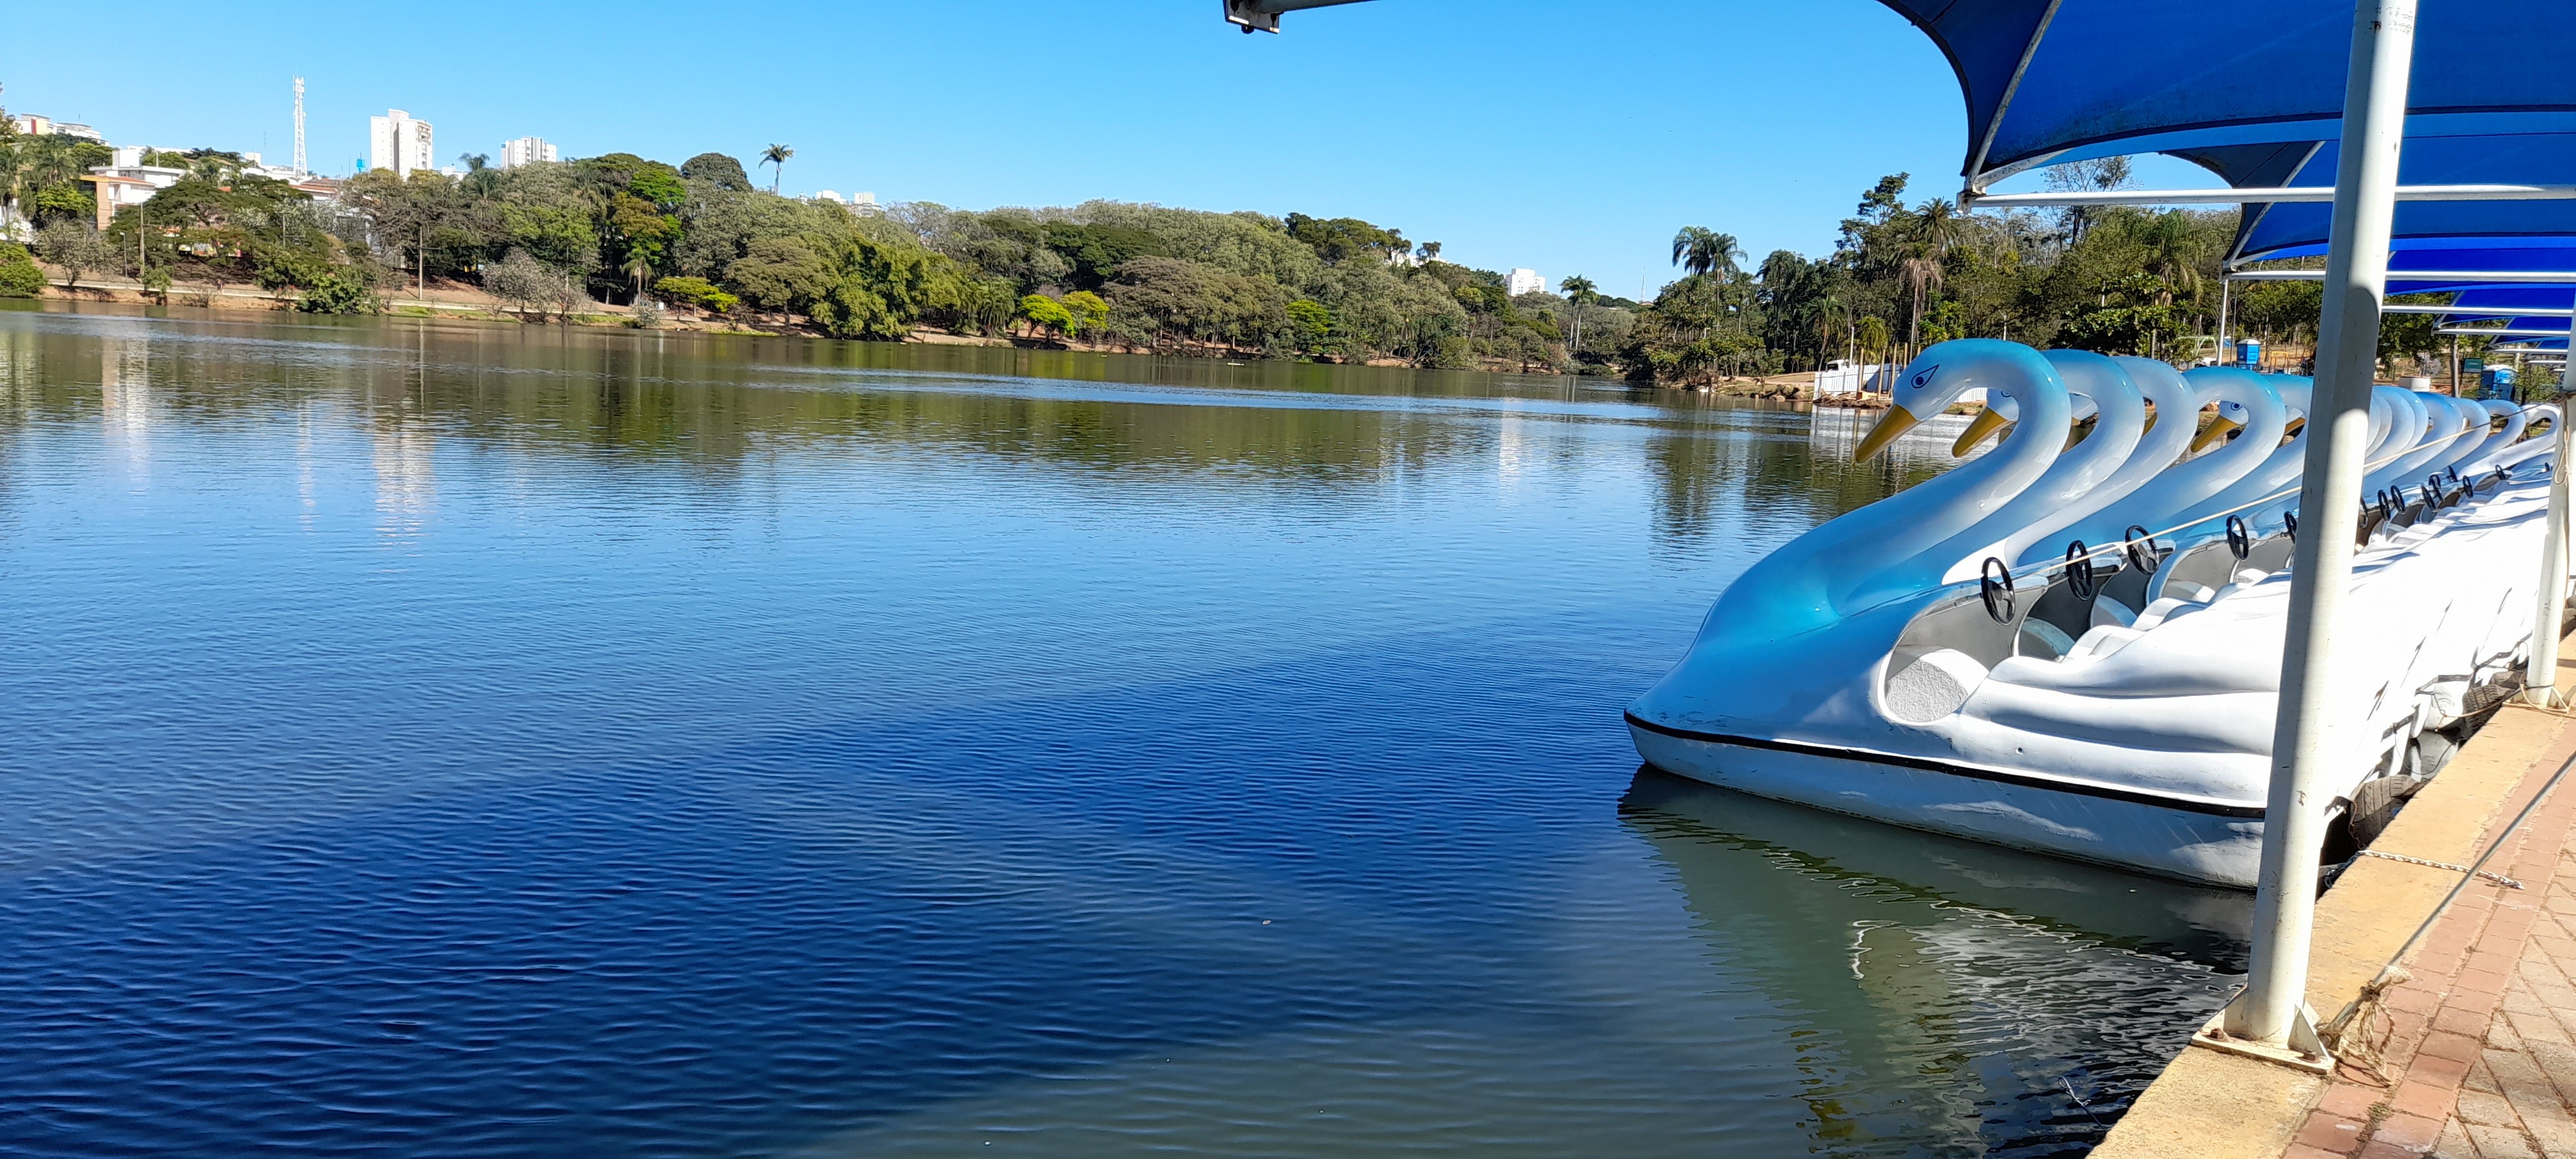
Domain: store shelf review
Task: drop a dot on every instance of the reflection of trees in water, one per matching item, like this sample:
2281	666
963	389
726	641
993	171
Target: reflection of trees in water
1935	993
711	402
1765	474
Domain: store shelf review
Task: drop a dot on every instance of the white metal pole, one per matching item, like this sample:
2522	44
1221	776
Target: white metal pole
2308	750
2541	675
2226	355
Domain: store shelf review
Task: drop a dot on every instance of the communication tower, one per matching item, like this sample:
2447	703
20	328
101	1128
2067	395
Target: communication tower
299	126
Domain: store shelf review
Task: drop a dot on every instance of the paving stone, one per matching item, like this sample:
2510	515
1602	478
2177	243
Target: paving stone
2556	1137
2454	1143
2449	1044
2350	1100
2519	1079
2558	1061
2460	1021
2490	1110
2437	1071
2500	1143
2535	1029
2330	1133
2414	1134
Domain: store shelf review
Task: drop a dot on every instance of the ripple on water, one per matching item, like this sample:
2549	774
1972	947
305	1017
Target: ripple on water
450	740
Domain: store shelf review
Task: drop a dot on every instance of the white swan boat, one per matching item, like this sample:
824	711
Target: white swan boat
1968	657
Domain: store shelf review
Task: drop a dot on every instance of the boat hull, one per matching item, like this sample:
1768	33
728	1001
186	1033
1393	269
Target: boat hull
2211	843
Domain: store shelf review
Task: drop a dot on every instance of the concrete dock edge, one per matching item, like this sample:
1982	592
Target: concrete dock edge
2210	1105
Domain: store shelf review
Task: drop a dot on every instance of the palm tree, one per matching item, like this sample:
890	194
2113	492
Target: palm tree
1580	291
1937	228
1705	251
2173	254
1921	272
776	155
639	267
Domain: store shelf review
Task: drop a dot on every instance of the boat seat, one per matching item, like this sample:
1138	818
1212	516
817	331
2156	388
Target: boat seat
2187	590
2103	640
2112	612
1933	686
2157	611
2051	640
2248	577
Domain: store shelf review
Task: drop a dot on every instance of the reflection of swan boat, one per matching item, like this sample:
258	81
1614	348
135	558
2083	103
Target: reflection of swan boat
1932	660
1895	959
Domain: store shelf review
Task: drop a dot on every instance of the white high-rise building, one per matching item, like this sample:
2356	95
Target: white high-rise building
526	151
398	142
1524	282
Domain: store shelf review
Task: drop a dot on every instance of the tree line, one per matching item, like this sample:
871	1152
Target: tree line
702	236
1904	276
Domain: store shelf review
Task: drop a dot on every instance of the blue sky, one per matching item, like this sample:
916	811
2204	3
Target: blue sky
1566	137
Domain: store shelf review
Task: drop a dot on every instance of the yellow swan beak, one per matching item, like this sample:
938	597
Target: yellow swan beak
1987	422
2214	434
1895	422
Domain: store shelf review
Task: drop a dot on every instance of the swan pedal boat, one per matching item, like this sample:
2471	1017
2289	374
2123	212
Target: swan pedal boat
2122	717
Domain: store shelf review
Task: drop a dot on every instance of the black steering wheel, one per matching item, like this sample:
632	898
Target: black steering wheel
2144	555
2290	519
2240	538
2080	579
1995	587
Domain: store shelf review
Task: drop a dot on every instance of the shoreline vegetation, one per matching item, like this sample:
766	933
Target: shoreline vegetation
623	240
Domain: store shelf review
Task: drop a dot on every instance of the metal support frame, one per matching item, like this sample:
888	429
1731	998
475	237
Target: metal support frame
2532	277
2501	332
2226	354
2480	311
1263	15
2262	195
2308	743
2540	676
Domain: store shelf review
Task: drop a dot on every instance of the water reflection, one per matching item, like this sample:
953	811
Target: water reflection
1964	1003
765	746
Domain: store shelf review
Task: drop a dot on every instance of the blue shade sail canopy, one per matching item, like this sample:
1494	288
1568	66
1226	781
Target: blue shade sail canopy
2295	228
2067	80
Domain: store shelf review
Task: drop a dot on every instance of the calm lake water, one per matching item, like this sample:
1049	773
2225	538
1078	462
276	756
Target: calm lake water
434	738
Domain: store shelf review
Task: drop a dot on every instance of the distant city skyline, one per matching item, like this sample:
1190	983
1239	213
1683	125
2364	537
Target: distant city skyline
400	142
520	151
1764	121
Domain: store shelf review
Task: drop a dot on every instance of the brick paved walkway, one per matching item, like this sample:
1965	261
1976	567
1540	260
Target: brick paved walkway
2476	1053
2515	1101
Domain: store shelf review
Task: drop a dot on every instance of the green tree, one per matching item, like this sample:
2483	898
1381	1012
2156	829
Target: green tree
718	170
527	284
1581	293
780	273
1703	251
337	292
1090	311
75	249
1311	325
697	292
776	155
1046	315
19	275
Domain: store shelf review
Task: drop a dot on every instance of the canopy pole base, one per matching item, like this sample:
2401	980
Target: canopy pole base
2304	1050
